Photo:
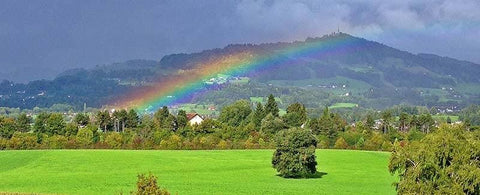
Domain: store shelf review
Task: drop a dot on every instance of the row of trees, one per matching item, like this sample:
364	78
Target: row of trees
240	125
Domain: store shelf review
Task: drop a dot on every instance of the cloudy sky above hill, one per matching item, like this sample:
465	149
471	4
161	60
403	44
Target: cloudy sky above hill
40	39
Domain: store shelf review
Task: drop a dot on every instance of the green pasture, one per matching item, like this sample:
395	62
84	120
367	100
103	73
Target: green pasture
343	105
189	172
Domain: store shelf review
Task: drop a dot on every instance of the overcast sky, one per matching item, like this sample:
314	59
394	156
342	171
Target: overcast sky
39	39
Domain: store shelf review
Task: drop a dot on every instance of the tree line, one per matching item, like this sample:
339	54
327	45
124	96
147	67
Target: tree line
240	125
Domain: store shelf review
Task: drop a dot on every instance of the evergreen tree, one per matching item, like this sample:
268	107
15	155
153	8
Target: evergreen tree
132	119
161	115
271	106
258	115
296	115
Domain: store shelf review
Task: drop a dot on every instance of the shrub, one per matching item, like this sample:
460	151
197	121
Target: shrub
3	143
84	137
375	142
114	140
147	185
22	141
295	153
341	143
56	142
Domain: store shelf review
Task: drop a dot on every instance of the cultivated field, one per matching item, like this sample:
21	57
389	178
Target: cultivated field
189	172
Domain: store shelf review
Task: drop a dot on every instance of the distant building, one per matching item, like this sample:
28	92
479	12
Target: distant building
194	118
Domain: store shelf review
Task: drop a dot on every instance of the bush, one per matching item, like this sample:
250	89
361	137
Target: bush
114	140
341	143
295	153
56	142
22	141
375	142
147	185
3	143
84	137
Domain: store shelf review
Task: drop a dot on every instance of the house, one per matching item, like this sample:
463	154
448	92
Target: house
194	118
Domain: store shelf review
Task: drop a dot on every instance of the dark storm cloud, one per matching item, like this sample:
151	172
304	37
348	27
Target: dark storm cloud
39	39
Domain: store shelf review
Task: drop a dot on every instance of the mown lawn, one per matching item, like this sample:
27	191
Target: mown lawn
189	172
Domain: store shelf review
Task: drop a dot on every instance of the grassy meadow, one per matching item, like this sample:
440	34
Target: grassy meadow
189	172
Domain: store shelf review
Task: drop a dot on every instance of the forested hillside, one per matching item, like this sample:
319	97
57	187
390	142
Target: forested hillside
363	72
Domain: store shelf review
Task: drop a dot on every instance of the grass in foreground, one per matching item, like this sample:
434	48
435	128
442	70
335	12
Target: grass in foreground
189	172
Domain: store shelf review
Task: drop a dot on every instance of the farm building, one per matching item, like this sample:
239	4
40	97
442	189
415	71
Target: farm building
194	118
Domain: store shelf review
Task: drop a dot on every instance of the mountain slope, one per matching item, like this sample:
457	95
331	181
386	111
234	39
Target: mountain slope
369	71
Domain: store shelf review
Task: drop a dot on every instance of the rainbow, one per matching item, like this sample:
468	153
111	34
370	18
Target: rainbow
185	83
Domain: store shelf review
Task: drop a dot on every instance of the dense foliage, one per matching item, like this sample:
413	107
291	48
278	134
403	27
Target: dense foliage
242	125
295	153
446	161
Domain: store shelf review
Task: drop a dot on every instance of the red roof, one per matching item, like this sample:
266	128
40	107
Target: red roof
192	115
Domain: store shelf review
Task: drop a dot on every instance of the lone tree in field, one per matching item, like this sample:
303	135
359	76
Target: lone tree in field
446	161
295	153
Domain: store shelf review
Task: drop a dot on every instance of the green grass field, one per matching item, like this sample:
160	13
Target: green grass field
189	172
443	117
343	105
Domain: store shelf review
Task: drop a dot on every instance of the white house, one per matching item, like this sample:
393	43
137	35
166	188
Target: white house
194	118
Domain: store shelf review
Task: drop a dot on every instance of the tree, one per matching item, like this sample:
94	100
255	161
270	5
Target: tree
182	119
369	122
104	121
296	115
426	122
23	123
235	114
119	119
403	121
161	115
329	124
132	119
55	125
443	162
7	127
258	115
40	122
387	120
295	153
271	125
271	106
81	119
147	185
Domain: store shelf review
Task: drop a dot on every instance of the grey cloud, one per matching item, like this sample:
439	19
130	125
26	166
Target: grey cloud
58	35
